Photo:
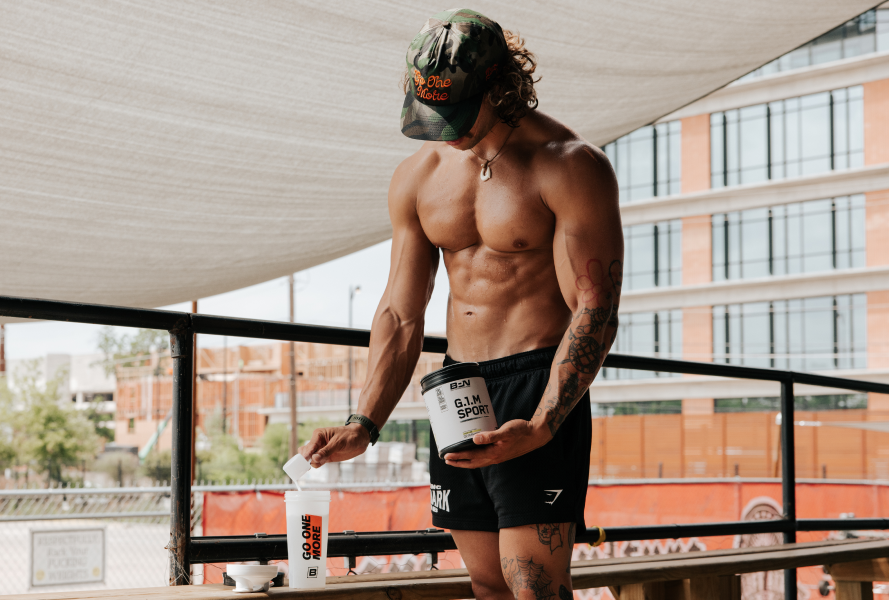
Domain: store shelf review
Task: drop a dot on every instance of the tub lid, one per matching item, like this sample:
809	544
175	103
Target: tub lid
450	373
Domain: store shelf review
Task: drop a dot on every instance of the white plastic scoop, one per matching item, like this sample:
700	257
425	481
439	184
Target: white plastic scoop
296	467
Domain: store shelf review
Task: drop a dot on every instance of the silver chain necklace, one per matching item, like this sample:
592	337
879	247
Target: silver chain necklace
486	168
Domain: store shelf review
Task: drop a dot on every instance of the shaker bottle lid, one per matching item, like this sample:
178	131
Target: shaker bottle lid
313	496
296	467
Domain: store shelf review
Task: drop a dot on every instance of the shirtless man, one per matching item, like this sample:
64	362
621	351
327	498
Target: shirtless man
525	214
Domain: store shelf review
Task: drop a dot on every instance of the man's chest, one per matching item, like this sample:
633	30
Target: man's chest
458	209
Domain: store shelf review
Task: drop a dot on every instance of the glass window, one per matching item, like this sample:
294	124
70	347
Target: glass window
752	139
866	33
647	162
653	255
787	138
837	402
652	407
657	334
805	237
807	334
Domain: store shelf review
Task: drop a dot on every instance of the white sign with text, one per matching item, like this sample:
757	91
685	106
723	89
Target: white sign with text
65	556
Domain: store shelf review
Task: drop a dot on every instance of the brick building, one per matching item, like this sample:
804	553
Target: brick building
250	385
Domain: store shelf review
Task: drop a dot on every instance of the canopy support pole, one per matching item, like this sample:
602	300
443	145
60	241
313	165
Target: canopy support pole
788	478
182	352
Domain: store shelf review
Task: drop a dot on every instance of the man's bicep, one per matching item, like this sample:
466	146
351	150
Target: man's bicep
412	272
588	243
414	259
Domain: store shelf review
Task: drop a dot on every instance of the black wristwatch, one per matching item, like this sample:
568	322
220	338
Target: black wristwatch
368	424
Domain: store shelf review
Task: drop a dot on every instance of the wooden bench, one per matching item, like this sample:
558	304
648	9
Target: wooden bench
854	580
710	575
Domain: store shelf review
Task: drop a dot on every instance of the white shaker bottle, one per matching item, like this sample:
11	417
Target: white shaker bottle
308	514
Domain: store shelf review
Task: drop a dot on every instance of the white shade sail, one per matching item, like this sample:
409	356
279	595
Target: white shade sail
161	151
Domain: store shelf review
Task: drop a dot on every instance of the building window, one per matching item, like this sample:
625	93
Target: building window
787	138
649	407
657	334
647	161
653	255
131	425
773	403
865	34
808	334
805	237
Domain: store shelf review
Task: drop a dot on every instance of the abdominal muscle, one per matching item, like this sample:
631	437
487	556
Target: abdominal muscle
502	303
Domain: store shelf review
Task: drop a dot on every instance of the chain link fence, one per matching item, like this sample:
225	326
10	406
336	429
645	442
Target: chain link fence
135	523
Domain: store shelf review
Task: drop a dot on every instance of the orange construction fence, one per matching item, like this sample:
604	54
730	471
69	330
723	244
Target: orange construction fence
608	504
745	444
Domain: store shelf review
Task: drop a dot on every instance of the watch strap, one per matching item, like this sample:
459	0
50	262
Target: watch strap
368	424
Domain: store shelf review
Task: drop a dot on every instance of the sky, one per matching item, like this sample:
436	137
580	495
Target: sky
322	298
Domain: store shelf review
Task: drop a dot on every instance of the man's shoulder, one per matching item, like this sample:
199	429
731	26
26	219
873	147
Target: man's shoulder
410	173
421	162
568	167
558	147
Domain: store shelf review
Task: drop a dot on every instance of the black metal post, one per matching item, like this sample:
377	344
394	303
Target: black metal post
181	350
788	479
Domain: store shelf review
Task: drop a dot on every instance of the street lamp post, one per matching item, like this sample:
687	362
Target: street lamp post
353	289
294	439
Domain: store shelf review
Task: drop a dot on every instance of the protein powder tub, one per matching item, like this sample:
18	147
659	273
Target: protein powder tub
458	405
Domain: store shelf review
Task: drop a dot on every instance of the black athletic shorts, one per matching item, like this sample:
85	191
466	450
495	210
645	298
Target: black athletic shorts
547	485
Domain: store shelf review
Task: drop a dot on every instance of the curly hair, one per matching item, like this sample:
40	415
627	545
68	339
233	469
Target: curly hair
511	92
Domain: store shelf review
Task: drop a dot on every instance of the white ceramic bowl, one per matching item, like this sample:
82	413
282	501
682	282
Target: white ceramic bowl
251	578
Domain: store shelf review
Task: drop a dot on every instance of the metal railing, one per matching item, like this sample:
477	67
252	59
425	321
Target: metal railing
185	550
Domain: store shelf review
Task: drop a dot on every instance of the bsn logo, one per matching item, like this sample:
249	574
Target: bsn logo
460	384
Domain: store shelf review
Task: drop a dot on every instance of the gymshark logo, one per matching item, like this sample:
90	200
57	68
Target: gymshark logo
440	499
554	494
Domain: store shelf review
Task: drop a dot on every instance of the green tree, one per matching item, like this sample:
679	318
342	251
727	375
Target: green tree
276	444
157	465
226	460
8	453
99	419
51	436
130	350
276	439
119	466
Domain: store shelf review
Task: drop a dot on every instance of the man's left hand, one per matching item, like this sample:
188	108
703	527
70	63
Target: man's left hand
512	439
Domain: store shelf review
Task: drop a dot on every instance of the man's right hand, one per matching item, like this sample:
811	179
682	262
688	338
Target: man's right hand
335	444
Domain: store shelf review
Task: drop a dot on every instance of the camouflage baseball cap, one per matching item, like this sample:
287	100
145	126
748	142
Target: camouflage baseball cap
451	60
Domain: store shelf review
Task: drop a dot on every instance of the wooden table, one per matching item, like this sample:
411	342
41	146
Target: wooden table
709	575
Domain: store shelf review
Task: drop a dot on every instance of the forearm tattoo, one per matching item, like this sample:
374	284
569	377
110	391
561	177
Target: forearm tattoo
525	574
601	296
558	406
